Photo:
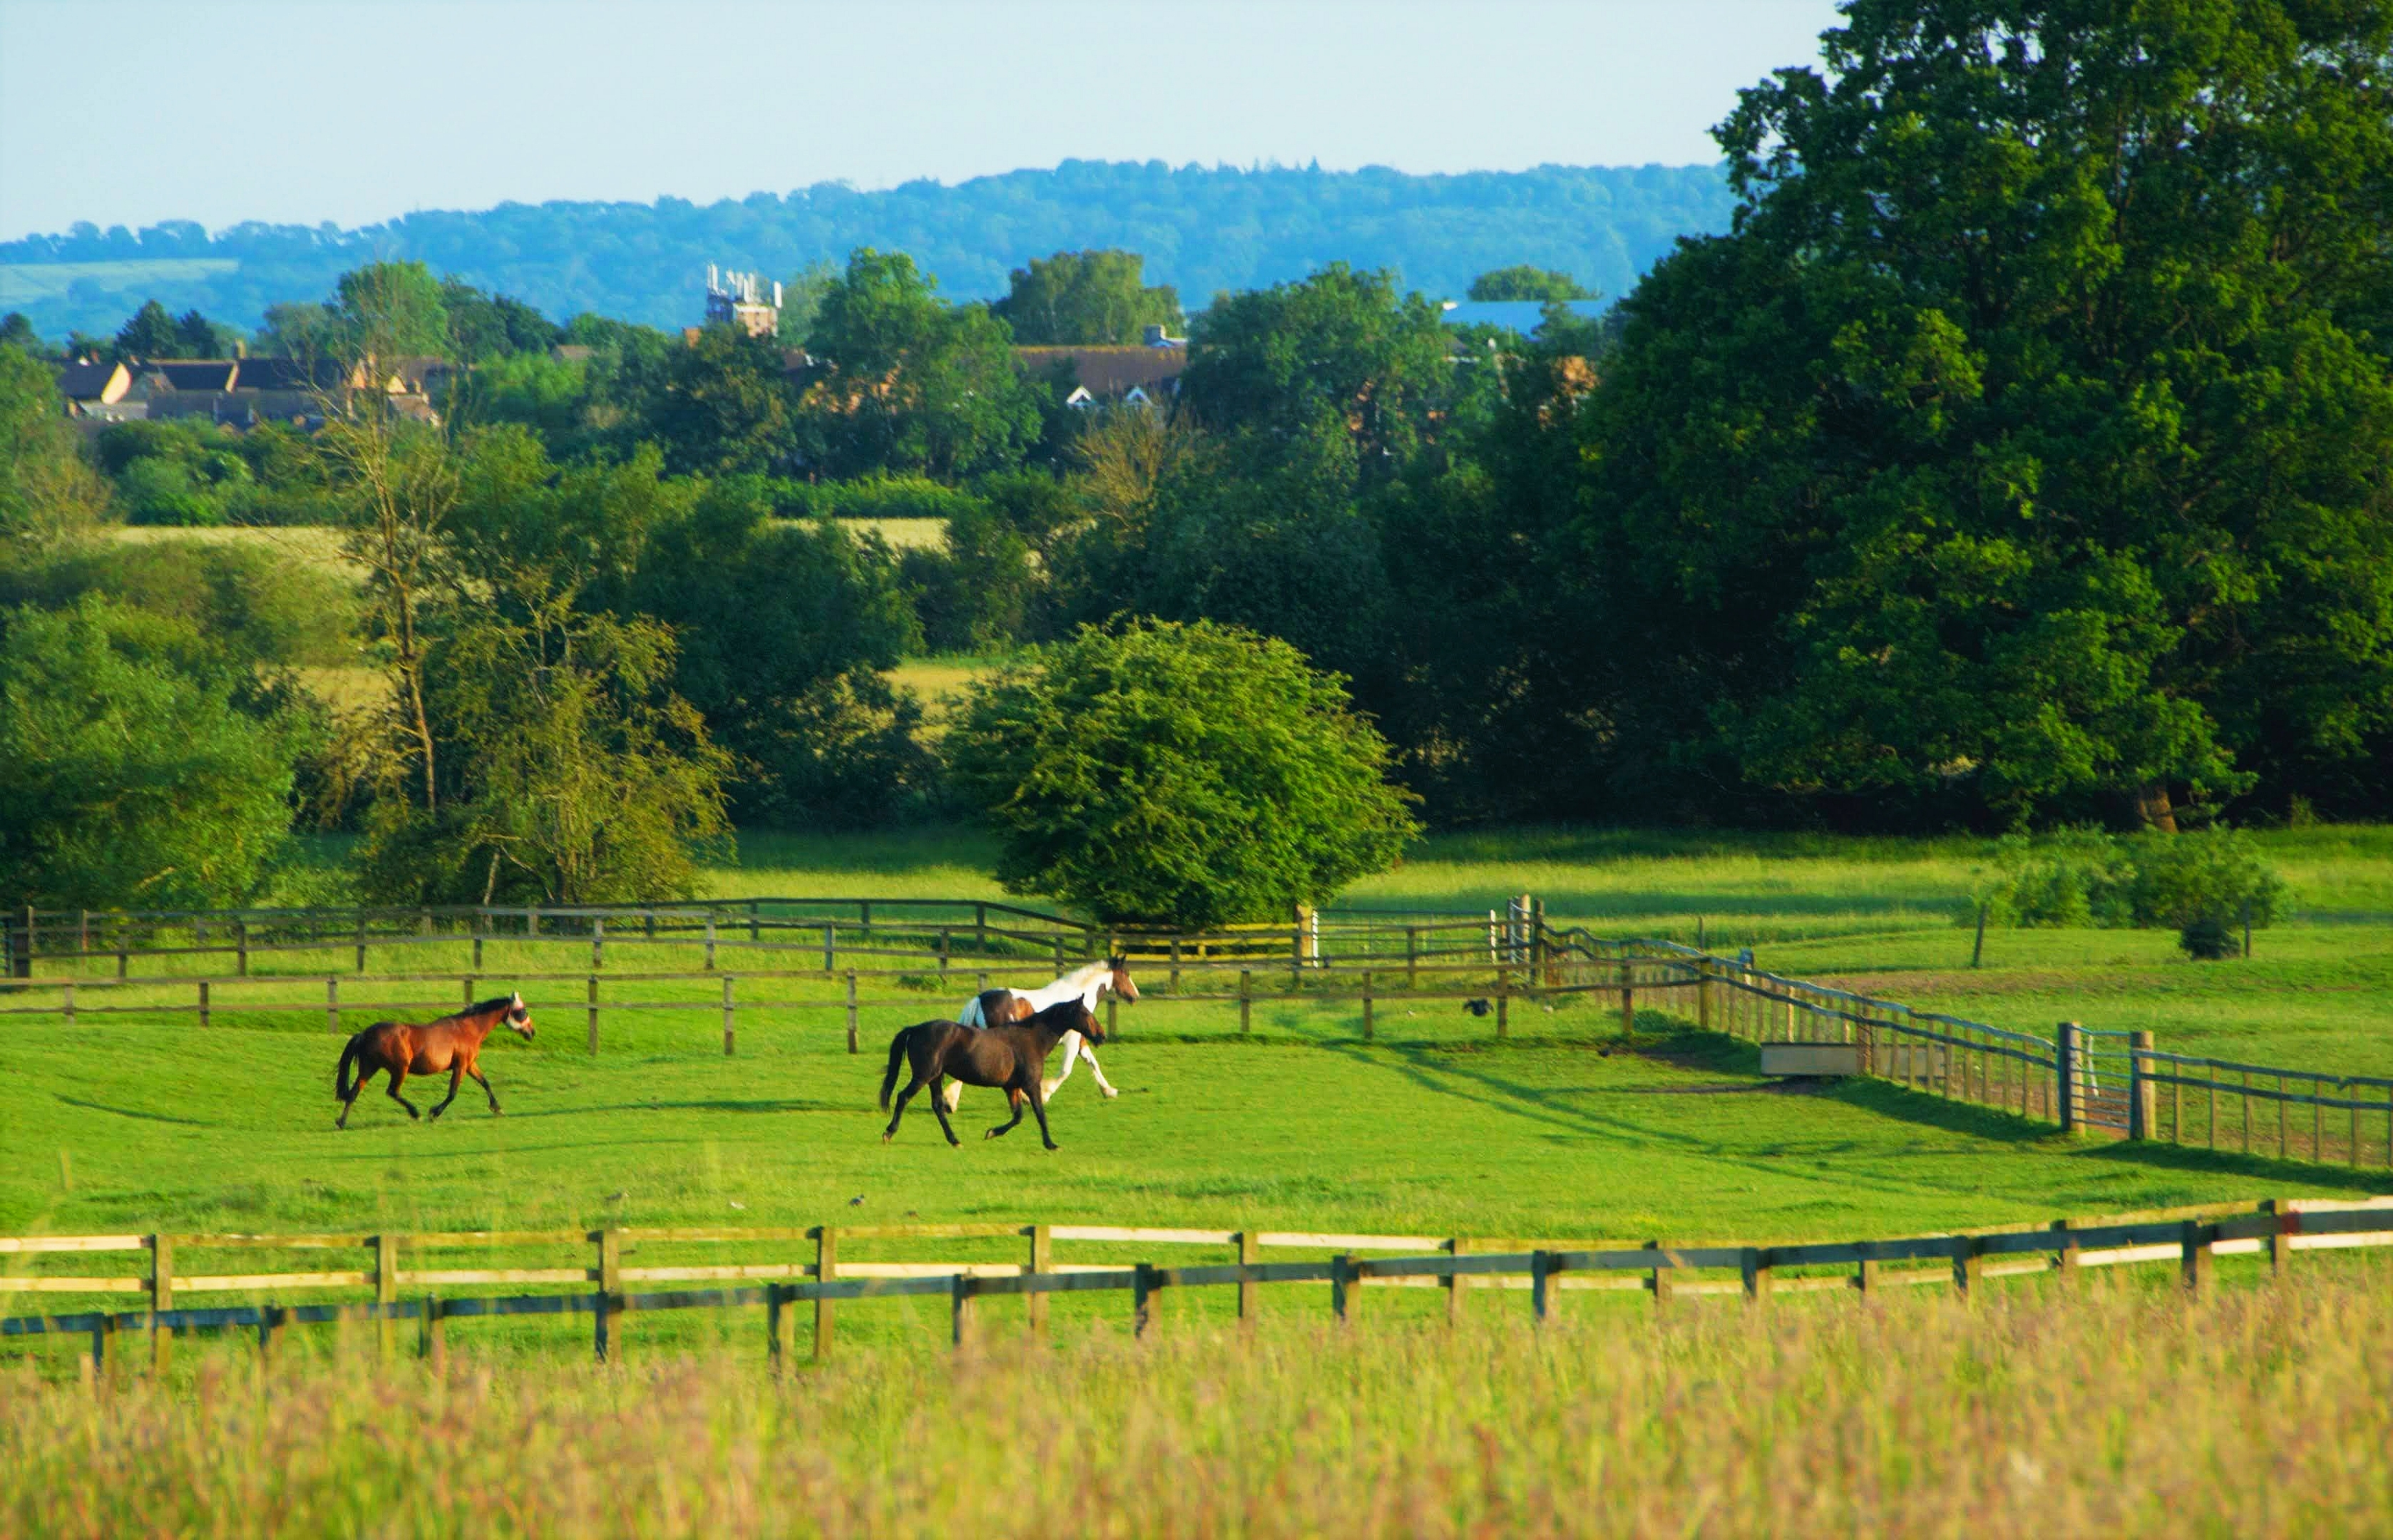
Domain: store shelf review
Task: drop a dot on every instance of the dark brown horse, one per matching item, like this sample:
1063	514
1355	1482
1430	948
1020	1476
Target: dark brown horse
452	1043
1011	1058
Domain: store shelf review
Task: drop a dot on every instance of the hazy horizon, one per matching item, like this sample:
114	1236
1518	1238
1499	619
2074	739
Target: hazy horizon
627	101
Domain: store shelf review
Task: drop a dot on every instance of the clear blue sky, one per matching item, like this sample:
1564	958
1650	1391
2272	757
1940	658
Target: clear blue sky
129	111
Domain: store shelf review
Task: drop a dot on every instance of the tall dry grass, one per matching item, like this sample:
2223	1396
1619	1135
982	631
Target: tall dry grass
2116	1411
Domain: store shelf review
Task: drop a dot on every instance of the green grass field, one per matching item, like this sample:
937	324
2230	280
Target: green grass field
123	1124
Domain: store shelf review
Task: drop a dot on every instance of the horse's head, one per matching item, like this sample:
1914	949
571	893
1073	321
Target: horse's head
1119	980
1086	1024
518	1017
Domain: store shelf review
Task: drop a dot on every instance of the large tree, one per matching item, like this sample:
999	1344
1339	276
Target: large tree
1182	775
904	381
2027	443
1083	297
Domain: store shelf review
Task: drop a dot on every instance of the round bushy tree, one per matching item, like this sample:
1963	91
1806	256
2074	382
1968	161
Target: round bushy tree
1186	776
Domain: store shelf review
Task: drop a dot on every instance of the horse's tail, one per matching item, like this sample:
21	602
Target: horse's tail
343	1087
897	1057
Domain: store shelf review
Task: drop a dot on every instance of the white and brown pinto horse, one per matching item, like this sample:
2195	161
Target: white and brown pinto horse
1003	1007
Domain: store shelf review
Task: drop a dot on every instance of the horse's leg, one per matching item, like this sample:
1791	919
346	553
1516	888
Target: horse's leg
355	1087
1103	1084
1073	1044
456	1078
952	1093
1008	1127
898	1110
1038	1105
940	1105
399	1078
477	1072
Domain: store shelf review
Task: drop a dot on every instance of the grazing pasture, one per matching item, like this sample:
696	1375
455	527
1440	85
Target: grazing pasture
125	1124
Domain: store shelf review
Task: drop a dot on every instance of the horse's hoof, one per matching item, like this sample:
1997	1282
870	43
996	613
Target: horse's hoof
1052	1145
1111	1093
887	1137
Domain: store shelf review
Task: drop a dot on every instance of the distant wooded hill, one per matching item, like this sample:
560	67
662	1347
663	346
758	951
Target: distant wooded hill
1204	230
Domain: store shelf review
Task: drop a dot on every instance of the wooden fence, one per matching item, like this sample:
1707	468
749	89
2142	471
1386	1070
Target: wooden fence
2079	1078
67	940
2191	1238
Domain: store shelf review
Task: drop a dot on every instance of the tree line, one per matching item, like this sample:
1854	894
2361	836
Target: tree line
1225	229
2018	459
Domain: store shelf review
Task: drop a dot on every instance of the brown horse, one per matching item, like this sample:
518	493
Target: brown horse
453	1043
1012	1057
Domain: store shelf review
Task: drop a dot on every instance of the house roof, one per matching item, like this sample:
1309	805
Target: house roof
1110	371
194	373
93	381
276	374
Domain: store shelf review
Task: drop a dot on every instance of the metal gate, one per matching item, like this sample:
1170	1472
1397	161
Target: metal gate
2105	1076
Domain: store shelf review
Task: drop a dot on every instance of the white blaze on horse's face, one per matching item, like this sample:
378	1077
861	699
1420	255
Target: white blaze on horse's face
1123	985
519	1015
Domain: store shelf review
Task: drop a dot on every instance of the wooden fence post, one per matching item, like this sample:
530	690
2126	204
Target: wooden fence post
1541	1285
1660	1280
2067	1077
960	1311
432	1334
66	1000
1503	1008
851	1011
386	1283
611	1285
361	941
204	1013
2142	1099
1412	956
1367	1005
1753	1266
826	1268
831	948
1142	1285
162	1297
2065	1260
1246	1001
1251	1253
2281	1251
1703	992
593	1016
1042	1257
333	1006
597	941
240	948
1628	1001
1345	1288
780	1326
1452	1283
1969	1267
2193	1260
726	1016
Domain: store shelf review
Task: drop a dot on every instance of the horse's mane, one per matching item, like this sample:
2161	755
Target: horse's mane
1086	975
483	1008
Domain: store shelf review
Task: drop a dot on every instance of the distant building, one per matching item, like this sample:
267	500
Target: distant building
738	299
240	393
1139	374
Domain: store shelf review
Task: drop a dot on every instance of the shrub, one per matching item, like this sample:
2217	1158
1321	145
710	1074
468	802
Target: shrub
137	773
2208	939
2152	881
1169	774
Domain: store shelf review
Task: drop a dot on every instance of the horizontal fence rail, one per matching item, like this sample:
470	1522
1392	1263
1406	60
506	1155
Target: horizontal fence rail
1963	1261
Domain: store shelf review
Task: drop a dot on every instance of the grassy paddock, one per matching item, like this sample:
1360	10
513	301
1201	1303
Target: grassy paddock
2121	1410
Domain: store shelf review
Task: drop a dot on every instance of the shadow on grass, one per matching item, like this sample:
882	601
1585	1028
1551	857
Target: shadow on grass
718	1104
2177	1158
132	1111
